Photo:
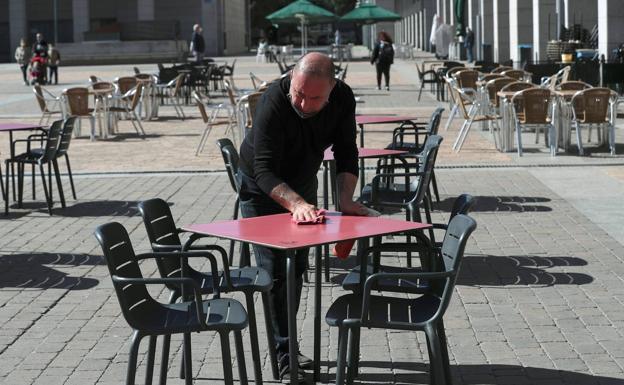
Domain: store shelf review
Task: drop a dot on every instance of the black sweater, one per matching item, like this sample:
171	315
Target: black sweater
284	148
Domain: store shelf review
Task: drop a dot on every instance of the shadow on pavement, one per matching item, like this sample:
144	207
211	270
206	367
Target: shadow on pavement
474	374
494	270
36	271
98	208
501	203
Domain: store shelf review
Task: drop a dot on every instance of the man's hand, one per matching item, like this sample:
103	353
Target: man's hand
304	212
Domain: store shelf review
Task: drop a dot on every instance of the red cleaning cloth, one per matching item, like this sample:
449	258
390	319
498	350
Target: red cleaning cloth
320	218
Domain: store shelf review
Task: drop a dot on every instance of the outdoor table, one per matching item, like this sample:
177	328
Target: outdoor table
328	168
101	107
10	127
361	120
281	233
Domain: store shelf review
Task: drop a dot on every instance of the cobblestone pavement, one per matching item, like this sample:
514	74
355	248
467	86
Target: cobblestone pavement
539	298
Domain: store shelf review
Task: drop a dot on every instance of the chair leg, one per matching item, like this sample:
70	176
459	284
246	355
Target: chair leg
132	359
164	362
343	336
519	138
435	360
227	358
6	188
240	358
420	91
270	336
611	129
451	117
32	176
434	184
186	369
71	178
59	185
579	141
20	184
151	352
253	336
353	355
45	189
444	353
4	194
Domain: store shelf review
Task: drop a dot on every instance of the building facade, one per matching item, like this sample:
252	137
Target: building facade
508	29
99	28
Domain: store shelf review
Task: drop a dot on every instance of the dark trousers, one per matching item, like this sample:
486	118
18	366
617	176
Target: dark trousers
24	69
274	261
53	72
385	70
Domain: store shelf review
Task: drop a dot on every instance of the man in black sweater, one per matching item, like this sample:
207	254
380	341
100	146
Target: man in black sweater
297	118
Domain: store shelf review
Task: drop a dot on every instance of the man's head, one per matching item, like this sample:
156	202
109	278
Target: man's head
197	28
312	80
39	37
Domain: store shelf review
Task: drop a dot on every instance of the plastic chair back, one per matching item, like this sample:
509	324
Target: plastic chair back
230	158
66	135
134	299
462	205
453	247
52	141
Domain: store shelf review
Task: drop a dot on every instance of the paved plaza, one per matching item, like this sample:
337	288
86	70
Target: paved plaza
539	300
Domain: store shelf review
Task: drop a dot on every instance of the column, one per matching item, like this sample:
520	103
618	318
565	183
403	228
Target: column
145	10
520	28
17	24
81	19
544	26
486	9
501	30
610	27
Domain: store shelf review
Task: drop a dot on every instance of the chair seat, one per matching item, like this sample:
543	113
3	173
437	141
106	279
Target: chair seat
384	311
222	314
246	279
352	280
394	193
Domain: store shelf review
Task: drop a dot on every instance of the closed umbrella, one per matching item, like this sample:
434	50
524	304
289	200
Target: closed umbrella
302	12
459	17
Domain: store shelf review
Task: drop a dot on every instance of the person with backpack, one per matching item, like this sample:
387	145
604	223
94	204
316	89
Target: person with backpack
383	57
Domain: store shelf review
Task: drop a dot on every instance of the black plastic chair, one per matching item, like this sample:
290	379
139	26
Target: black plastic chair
165	236
352	312
63	147
428	77
45	155
150	318
430	250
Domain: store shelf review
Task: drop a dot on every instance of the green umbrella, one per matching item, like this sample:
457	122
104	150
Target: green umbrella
301	12
369	14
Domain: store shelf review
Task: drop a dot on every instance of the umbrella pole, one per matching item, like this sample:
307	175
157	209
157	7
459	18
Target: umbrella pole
302	38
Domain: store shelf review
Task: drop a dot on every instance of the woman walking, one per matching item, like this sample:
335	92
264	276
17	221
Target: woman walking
383	57
22	57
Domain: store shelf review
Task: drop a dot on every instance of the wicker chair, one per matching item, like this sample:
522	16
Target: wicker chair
501	69
519	75
597	109
49	103
210	119
77	100
535	111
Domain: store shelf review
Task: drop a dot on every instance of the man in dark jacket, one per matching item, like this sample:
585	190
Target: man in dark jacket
298	117
197	43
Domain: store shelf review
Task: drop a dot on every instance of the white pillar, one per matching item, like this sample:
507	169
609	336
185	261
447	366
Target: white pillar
610	27
17	24
81	19
145	10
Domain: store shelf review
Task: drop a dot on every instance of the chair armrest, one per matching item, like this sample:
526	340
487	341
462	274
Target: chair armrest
190	254
377	180
117	280
371	280
188	245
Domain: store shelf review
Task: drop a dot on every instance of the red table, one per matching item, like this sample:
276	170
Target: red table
10	127
279	232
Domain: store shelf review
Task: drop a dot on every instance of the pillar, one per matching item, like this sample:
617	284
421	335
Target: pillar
520	27
500	15
81	19
610	27
145	10
17	24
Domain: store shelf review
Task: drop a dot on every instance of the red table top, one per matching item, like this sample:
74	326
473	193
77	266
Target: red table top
18	126
364	152
280	232
372	119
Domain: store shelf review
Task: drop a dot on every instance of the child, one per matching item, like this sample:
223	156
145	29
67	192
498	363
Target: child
37	69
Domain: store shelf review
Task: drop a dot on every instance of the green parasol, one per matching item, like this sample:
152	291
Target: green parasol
369	14
459	17
304	13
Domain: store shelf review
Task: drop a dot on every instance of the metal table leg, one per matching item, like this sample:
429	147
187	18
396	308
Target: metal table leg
292	315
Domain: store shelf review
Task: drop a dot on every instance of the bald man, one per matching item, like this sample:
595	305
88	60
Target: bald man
297	118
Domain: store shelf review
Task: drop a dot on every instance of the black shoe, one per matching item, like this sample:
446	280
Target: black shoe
304	362
387	88
284	370
378	87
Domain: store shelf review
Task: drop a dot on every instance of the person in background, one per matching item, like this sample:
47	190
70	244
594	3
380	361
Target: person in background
54	59
41	46
383	57
468	44
337	37
22	57
198	45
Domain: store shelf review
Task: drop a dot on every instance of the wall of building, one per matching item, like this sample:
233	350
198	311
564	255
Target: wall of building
235	27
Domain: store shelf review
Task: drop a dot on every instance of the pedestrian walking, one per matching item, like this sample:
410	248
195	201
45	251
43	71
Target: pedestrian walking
54	59
468	44
22	58
383	57
198	45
